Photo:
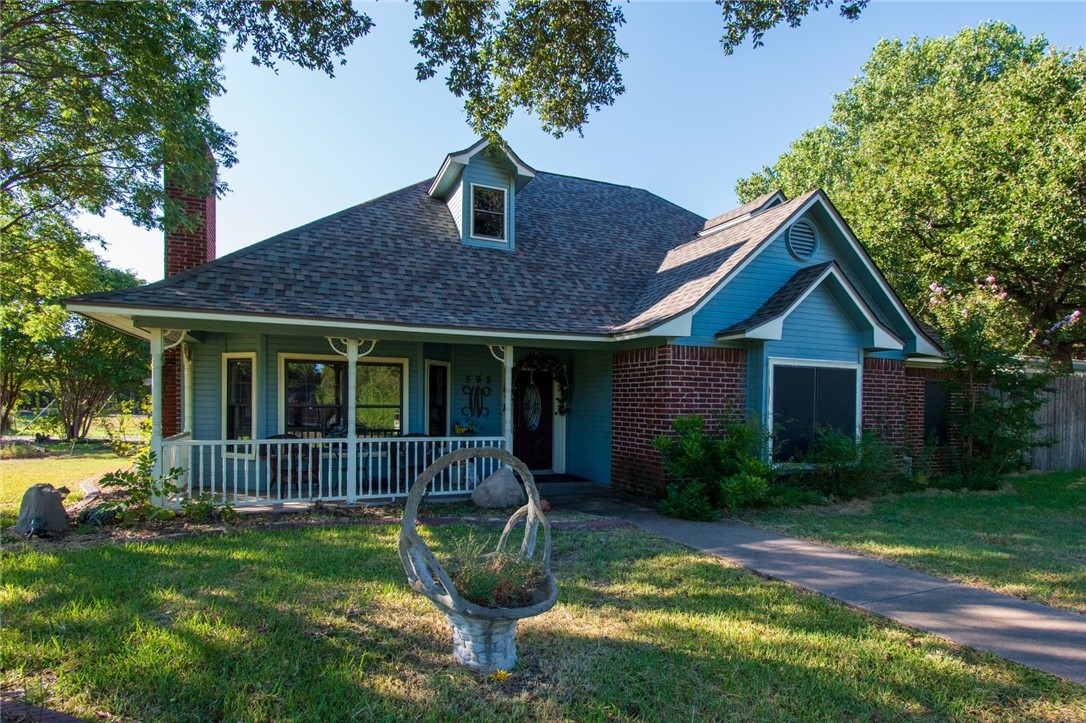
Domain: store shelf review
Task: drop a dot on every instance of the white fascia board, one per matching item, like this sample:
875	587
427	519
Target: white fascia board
100	311
678	327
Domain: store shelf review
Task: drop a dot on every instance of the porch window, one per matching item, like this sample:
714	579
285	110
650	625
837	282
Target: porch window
488	212
805	396
239	393
314	397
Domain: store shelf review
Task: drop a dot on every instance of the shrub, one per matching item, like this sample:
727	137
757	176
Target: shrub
126	435
496	580
207	507
842	467
138	487
713	470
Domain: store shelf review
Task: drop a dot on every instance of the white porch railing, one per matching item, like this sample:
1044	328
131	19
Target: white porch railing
275	471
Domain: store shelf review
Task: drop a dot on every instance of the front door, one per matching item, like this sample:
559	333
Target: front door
533	419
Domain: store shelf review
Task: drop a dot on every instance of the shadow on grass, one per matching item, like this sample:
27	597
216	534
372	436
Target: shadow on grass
318	625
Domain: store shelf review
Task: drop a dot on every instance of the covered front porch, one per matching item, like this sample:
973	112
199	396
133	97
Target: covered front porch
275	418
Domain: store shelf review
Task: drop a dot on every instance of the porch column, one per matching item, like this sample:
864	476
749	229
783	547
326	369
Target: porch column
186	357
352	433
156	406
507	402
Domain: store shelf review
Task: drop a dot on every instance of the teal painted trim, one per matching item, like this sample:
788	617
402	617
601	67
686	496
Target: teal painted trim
588	424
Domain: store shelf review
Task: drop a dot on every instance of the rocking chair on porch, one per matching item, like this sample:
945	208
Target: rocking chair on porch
296	465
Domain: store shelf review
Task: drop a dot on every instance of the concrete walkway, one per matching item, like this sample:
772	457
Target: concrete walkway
1029	633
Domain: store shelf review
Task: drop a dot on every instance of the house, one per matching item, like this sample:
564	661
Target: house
567	319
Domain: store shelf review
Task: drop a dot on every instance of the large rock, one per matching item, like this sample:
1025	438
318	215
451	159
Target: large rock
44	502
500	489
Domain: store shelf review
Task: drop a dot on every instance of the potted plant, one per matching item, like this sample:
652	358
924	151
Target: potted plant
484	628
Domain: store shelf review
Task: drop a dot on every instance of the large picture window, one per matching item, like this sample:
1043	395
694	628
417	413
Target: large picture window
806	396
314	395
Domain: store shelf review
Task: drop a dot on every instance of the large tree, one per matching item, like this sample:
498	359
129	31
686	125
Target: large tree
960	158
96	96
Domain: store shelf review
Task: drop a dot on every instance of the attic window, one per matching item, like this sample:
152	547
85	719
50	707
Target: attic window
488	213
802	240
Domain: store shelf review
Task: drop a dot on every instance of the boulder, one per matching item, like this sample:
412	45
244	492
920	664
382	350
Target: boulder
500	489
46	503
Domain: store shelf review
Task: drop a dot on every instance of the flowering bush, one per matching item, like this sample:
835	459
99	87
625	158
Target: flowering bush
995	398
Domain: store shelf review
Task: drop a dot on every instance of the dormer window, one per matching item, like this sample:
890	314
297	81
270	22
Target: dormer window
487	212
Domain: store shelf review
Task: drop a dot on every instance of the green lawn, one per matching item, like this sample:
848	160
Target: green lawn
317	625
1025	540
61	467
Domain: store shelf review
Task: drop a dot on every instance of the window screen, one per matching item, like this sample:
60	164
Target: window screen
936	402
805	397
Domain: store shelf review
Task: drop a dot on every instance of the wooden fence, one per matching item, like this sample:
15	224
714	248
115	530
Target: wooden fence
1064	421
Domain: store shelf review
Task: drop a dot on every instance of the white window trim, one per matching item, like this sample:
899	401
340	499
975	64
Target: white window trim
226	357
505	215
448	394
774	362
281	387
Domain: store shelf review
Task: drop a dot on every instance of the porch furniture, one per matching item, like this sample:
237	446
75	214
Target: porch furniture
484	638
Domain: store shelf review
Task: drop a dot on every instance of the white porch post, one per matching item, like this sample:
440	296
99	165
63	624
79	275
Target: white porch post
156	406
352	433
507	402
186	356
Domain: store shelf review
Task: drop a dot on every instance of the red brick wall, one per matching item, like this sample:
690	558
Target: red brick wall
185	249
893	401
650	387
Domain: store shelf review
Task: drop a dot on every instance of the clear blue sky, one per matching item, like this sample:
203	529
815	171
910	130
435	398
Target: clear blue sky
689	125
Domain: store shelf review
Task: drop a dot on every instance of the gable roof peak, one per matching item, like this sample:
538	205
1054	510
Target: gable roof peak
750	209
456	161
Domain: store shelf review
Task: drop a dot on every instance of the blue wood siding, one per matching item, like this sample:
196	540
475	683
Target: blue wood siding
746	293
488	172
477	389
756	379
588	424
818	329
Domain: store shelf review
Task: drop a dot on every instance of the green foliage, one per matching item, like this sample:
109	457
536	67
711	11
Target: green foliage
957	157
99	94
207	507
844	468
755	17
498	579
995	395
139	487
711	470
89	362
122	426
689	501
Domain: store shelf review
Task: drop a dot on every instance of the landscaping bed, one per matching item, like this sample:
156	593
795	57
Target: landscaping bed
317	624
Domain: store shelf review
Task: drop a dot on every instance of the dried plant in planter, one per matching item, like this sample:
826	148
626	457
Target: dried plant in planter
483	595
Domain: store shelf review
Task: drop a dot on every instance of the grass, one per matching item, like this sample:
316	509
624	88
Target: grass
64	465
318	625
1024	540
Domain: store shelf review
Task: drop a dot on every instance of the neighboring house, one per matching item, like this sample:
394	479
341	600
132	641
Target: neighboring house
570	320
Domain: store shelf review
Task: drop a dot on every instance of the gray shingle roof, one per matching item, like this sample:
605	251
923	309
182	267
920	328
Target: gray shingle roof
585	253
748	207
784	297
691	270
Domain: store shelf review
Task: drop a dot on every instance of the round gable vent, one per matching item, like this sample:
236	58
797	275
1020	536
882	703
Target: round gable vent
802	240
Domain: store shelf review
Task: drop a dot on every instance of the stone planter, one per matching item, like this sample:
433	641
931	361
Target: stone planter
484	638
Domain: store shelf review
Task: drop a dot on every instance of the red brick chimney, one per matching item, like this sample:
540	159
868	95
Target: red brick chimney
185	249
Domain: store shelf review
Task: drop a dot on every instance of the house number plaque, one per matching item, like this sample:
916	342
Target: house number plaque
476	389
